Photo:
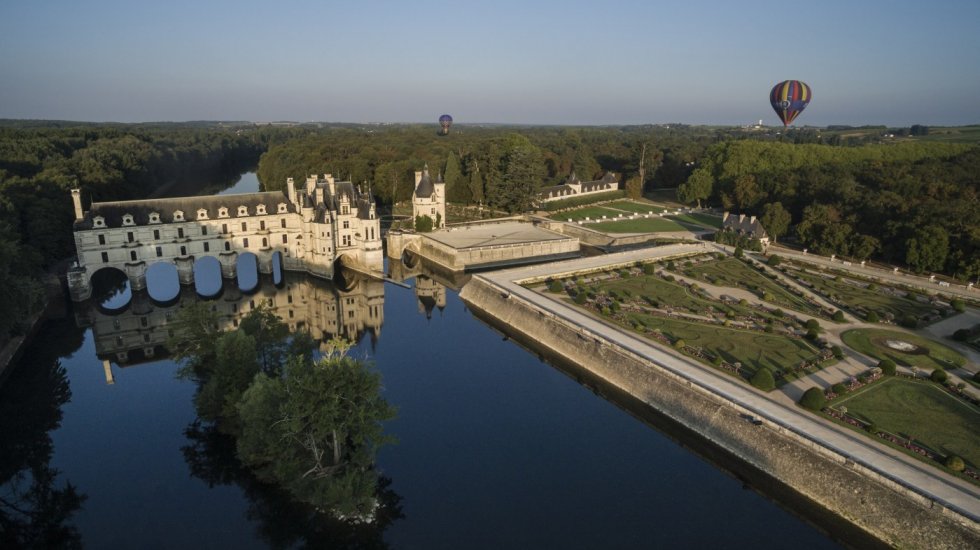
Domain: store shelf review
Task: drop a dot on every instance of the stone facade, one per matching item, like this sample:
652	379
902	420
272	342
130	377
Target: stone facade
310	228
429	198
745	225
574	187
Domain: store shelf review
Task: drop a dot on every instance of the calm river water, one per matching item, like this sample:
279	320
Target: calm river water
496	448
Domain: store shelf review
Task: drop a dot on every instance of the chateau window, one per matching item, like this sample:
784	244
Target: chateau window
282	222
281	208
223	212
284	239
180	232
132	255
156	234
224	229
130	237
204	230
146	337
346	224
262	225
345	209
144	322
227	246
183	251
244	226
101	239
128	220
202	214
207	247
98	221
260	209
265	242
245	242
105	257
159	251
154	217
243	211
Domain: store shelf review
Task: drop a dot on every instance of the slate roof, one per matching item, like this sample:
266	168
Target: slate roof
425	188
746	225
113	212
566	189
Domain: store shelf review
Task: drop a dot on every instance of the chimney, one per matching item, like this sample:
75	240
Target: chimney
319	195
290	190
418	178
752	220
310	185
76	197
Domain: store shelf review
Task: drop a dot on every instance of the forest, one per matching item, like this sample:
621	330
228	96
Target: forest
911	201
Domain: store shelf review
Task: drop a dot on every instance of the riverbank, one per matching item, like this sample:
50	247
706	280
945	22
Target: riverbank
54	306
890	500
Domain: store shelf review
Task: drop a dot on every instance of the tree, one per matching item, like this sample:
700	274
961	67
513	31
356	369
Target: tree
955	463
634	187
697	187
775	219
747	193
927	249
838	352
763	379
423	223
456	188
887	367
871	317
225	378
838	316
556	286
939	376
958	305
316	431
521	178
813	399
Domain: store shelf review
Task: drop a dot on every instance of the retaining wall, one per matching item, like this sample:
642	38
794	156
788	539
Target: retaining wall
880	506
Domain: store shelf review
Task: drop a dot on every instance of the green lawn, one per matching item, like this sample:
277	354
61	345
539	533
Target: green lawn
638	207
699	219
922	412
593	212
856	296
928	355
732	272
640	225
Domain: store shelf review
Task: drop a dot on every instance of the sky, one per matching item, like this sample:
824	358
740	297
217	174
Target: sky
892	62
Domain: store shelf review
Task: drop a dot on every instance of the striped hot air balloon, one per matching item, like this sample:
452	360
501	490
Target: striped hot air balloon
789	98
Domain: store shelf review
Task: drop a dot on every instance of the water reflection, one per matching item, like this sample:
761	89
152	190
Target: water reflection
36	507
139	333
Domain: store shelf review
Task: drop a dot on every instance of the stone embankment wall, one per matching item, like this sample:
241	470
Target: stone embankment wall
878	505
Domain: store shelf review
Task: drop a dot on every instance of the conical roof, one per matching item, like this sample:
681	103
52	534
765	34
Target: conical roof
424	189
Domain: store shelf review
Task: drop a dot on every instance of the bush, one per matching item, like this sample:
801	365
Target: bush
839	389
976	376
580	298
423	224
838	353
871	317
812	324
812	334
908	321
649	269
962	335
958	305
887	367
680	343
763	379
670	265
838	316
871	429
738	252
813	399
954	463
774	261
939	376
872	286
556	286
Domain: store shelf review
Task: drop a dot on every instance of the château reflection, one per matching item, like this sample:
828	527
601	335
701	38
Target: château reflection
139	332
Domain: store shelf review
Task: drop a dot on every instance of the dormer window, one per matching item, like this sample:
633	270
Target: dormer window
179	216
128	219
223	212
281	208
98	221
260	209
243	211
154	217
202	214
345	209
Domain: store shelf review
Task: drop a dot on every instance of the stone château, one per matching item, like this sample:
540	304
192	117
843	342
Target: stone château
311	229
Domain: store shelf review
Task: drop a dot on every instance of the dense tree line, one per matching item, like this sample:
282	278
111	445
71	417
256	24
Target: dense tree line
913	203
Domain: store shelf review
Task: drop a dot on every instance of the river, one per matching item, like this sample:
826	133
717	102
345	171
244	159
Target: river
495	447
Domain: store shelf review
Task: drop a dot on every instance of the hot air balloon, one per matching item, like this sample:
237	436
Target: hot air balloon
445	121
789	98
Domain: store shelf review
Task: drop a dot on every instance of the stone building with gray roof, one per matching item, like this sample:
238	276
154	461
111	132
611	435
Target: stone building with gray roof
574	187
310	229
429	198
748	226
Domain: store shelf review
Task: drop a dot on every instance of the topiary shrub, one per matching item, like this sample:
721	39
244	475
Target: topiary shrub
812	334
939	376
961	335
871	317
738	252
839	389
649	269
954	463
887	367
813	399
763	379
580	298
812	324
556	286
680	343
838	353
871	429
838	316
958	305
908	321
774	261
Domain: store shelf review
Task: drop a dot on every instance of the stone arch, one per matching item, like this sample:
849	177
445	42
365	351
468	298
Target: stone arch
111	291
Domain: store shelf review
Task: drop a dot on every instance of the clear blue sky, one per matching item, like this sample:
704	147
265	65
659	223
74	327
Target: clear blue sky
890	62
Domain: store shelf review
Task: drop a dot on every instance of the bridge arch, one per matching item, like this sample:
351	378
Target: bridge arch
111	290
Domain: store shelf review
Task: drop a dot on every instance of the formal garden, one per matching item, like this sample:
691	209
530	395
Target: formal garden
763	345
903	348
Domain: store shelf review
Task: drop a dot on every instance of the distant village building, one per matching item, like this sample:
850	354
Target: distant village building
429	198
310	228
747	226
573	187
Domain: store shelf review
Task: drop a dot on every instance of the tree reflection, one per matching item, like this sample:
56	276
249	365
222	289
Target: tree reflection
35	508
